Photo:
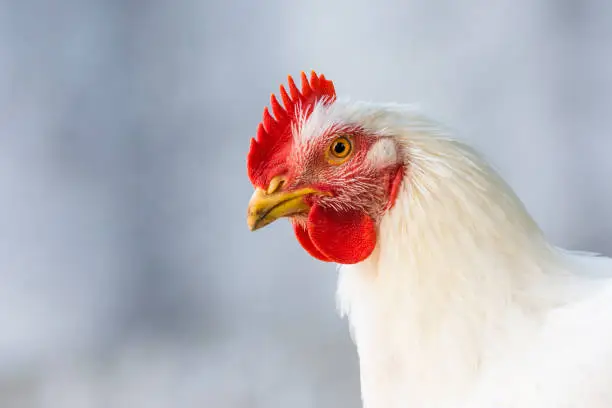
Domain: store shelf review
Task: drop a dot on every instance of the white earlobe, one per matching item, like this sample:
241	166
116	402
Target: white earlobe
382	153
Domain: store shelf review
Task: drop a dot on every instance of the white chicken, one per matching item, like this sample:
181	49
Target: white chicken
453	294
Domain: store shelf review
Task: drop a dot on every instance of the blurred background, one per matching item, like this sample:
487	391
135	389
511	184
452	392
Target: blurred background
128	276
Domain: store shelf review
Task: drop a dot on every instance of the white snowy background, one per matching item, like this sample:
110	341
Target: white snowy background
128	277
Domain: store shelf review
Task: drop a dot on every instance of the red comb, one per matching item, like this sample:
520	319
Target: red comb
269	148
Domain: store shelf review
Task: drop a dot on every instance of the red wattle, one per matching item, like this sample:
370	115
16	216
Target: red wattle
343	237
302	236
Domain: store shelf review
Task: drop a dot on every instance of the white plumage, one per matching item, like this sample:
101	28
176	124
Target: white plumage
463	302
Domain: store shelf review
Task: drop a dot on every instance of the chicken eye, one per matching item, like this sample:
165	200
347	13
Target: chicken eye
340	149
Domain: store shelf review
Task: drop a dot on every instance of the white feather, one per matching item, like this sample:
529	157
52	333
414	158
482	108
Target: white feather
463	302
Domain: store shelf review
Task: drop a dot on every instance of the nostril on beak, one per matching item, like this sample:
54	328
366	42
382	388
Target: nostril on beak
275	184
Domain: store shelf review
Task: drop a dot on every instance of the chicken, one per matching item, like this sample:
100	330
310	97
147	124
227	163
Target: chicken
453	294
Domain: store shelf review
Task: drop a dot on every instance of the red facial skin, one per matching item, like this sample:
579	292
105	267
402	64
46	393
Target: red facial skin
341	227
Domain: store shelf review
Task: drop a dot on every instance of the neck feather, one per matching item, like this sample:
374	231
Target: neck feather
453	277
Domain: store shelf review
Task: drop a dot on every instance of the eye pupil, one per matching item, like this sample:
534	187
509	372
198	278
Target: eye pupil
339	147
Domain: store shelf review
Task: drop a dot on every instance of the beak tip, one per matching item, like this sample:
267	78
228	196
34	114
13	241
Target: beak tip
253	223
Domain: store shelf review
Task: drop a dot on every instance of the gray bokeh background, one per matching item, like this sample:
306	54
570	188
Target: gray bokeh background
128	276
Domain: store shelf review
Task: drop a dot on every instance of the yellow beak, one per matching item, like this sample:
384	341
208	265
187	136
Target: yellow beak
266	207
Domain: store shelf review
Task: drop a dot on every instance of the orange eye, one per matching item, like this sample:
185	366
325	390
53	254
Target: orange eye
340	149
